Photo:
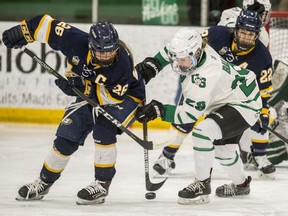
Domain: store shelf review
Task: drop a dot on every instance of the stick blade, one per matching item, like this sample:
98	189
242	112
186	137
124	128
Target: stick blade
154	186
148	145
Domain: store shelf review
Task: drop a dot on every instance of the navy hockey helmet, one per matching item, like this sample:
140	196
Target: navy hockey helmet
250	21
103	38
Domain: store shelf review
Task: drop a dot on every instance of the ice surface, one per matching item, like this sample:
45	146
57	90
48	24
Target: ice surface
23	148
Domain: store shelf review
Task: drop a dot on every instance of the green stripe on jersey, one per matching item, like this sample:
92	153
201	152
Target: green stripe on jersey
236	159
161	59
203	149
191	116
170	113
200	136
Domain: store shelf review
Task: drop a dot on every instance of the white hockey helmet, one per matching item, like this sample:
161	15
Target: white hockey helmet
185	50
264	11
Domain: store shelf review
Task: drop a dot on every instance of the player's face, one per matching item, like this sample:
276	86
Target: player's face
246	37
105	56
184	63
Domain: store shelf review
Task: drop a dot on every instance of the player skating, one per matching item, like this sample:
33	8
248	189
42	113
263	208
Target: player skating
229	97
240	47
101	66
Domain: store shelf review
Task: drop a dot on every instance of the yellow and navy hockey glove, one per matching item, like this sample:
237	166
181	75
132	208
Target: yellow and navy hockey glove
18	36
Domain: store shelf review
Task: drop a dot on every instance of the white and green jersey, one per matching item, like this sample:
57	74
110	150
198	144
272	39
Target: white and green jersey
213	84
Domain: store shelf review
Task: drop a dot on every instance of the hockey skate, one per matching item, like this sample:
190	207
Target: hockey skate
164	165
265	168
231	190
94	193
34	191
200	189
250	164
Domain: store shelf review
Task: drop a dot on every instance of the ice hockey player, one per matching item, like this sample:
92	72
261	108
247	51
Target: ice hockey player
257	58
263	7
229	97
240	47
228	18
100	65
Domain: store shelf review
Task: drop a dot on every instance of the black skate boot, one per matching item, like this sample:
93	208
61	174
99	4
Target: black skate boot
34	191
164	165
231	190
94	193
198	188
265	168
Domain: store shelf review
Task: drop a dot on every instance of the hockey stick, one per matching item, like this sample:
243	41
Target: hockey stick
149	185
144	143
284	139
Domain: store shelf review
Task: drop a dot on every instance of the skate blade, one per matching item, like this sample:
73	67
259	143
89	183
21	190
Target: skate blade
264	176
240	196
19	198
90	202
196	201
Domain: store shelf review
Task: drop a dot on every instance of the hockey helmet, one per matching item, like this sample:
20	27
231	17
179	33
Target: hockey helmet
263	7
103	38
185	50
250	21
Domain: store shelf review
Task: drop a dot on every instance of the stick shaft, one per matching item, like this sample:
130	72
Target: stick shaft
144	143
150	186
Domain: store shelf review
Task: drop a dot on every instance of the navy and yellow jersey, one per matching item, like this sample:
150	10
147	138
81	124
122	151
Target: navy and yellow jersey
258	59
107	85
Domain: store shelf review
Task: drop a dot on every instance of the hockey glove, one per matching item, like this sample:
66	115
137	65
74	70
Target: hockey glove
260	8
263	122
66	85
18	36
150	111
149	68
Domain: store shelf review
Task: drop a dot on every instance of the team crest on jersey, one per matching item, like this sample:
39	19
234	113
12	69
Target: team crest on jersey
198	80
75	60
87	71
66	121
223	51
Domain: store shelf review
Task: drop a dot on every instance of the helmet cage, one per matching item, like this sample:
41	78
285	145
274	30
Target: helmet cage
185	50
102	63
181	69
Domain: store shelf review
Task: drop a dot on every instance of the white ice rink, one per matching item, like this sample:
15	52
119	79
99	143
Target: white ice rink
24	147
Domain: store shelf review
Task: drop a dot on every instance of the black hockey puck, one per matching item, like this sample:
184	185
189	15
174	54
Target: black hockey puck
150	195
